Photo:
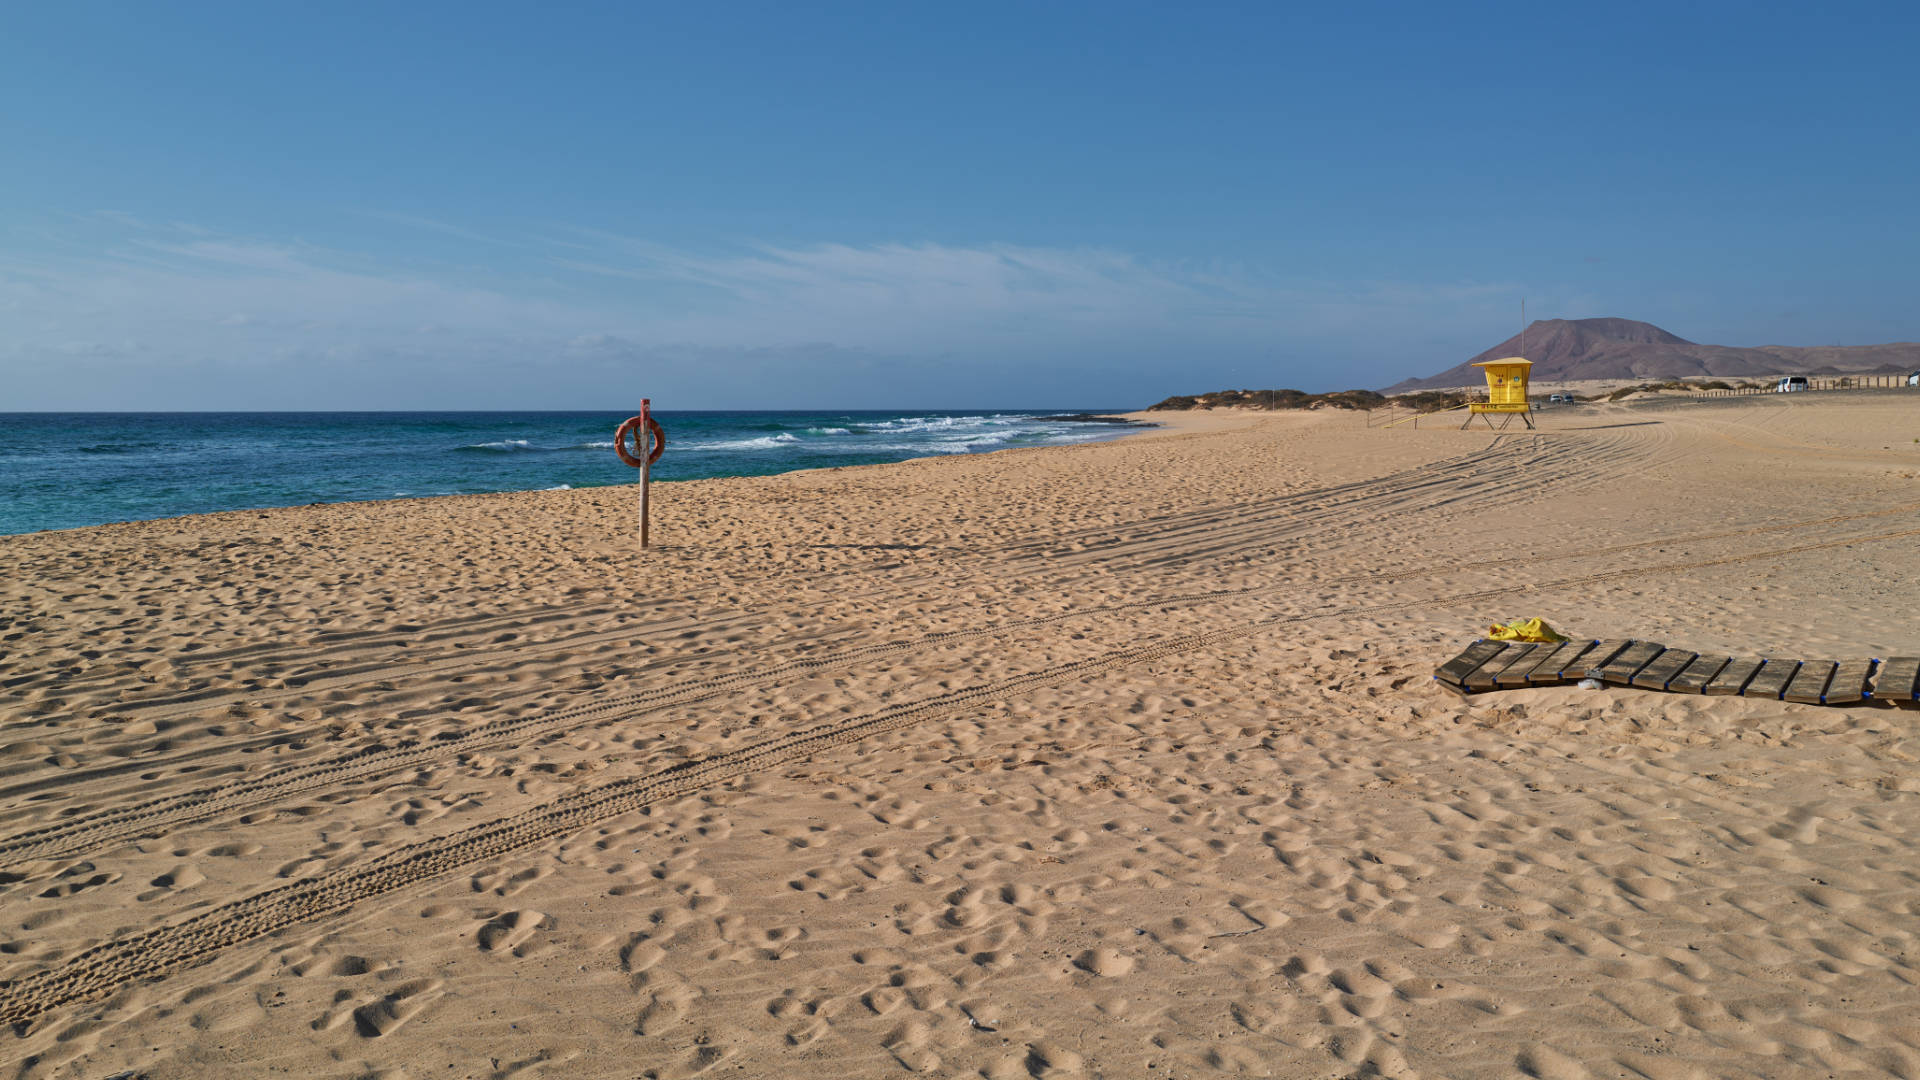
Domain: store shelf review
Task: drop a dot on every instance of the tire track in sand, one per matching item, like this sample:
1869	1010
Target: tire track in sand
85	834
1091	545
1500	469
101	970
1225	531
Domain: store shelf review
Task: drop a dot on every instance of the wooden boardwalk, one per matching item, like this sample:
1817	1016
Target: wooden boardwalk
1649	665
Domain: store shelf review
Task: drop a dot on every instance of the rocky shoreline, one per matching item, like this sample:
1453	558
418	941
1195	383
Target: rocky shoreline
1093	418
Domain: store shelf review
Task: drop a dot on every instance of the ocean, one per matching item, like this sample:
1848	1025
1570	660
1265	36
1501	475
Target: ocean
63	470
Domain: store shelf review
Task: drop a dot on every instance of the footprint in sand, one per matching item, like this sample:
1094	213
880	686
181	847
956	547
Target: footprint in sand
809	1031
667	1007
383	1015
501	883
702	1061
792	1003
71	887
1259	1016
1105	962
1546	1063
184	876
908	1042
510	929
401	1004
1049	1060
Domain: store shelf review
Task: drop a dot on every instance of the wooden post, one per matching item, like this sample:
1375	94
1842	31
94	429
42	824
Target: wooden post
642	440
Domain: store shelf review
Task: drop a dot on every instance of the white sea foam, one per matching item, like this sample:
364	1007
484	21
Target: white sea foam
907	424
503	445
827	431
765	442
972	441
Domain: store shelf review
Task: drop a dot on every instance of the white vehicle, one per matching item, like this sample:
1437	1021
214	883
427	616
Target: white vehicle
1559	399
1914	379
1790	383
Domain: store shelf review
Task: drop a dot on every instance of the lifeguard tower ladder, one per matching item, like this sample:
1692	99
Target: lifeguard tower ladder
1506	393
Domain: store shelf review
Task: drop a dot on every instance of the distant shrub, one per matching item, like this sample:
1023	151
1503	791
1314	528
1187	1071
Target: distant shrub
1351	399
1426	401
1670	384
1273	399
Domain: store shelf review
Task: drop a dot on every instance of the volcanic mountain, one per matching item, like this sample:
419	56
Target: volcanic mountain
1566	349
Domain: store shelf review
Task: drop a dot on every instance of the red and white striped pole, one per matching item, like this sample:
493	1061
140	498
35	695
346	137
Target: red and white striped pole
643	437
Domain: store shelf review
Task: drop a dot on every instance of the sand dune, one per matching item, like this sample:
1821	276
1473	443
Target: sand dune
1111	760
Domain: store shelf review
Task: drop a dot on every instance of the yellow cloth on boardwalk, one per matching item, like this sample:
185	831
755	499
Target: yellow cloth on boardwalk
1523	630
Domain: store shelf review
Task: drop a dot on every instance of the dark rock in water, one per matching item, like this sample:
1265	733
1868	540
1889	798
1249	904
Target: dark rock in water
1090	418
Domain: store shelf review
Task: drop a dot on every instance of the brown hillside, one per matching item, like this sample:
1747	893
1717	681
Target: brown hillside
1567	349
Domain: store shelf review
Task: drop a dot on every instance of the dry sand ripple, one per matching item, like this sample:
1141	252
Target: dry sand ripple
1116	760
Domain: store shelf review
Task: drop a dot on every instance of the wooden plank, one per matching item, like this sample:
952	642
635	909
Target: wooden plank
1557	666
1849	682
1809	682
1734	677
1601	654
1771	681
1656	675
1621	669
1456	670
1698	674
1516	655
1483	676
1896	677
1515	674
1520	672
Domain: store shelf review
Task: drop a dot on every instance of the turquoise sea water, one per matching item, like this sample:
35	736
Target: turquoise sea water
62	470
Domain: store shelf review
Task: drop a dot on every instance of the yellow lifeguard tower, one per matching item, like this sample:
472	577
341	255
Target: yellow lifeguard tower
1506	393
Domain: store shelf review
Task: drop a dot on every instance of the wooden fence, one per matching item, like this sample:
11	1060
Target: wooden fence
1818	382
1391	415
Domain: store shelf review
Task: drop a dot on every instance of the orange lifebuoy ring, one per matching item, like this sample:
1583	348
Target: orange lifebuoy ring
630	427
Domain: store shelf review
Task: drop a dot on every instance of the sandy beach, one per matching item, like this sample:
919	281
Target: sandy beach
1115	760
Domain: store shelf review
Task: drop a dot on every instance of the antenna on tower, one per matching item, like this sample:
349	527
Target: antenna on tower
1523	326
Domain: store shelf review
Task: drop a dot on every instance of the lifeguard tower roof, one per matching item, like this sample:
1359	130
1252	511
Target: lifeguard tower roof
1506	392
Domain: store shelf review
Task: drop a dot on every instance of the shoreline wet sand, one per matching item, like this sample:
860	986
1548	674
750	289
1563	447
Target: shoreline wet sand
1120	759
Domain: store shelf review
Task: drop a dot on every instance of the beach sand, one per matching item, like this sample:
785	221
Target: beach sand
1118	760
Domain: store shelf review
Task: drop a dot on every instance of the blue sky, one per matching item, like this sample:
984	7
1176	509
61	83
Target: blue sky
234	206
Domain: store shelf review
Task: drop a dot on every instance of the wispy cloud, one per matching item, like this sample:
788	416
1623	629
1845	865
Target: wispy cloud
431	225
818	320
